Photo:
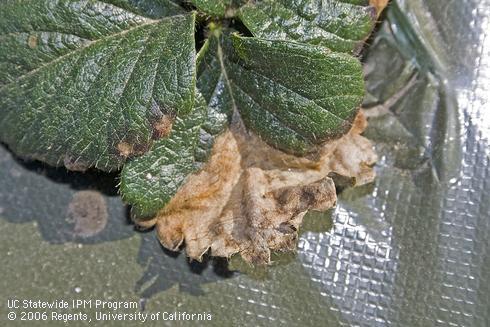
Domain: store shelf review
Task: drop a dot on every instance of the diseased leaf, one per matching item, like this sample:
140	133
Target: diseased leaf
150	181
250	198
219	8
283	110
87	83
95	83
340	25
295	96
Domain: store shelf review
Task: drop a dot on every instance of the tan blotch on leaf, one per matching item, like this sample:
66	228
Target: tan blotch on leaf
250	198
162	127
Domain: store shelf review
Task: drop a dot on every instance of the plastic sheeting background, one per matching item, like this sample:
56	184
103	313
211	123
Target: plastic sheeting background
412	249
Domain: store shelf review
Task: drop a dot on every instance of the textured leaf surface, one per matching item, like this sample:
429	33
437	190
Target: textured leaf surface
341	25
89	83
150	181
212	85
150	8
220	8
295	96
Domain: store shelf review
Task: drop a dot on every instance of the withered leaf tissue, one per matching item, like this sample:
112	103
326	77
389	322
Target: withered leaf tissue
251	198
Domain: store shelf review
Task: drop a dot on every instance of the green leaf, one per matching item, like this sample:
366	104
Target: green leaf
339	25
219	8
155	9
294	96
88	83
150	181
211	82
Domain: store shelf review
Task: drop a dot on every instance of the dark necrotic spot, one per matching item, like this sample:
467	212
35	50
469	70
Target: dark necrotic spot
162	127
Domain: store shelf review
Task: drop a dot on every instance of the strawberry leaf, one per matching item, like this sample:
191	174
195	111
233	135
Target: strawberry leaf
150	181
89	83
218	8
339	25
295	96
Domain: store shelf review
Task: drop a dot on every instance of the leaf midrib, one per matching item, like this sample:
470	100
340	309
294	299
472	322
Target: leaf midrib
225	75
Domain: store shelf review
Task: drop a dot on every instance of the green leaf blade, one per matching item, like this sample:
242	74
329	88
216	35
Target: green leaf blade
149	182
294	96
155	9
211	82
339	25
218	8
91	98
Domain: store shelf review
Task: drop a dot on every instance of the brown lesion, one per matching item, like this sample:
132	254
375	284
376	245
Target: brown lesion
250	198
32	41
128	148
162	126
125	149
